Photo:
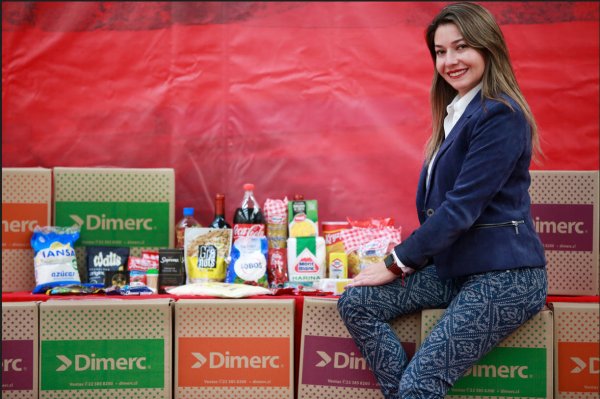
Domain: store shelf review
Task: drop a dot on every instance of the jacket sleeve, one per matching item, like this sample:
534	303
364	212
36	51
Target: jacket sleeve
495	143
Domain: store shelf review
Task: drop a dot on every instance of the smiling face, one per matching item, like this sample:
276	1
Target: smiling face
460	65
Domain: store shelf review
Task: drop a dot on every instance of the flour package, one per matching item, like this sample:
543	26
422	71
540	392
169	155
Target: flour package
306	260
54	257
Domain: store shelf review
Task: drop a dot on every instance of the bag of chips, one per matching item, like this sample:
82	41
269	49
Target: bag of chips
54	257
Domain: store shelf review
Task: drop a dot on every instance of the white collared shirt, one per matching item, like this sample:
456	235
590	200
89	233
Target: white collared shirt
454	111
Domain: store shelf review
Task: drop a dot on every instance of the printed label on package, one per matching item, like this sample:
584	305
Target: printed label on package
234	362
564	227
514	372
18	222
133	224
335	361
102	364
17	365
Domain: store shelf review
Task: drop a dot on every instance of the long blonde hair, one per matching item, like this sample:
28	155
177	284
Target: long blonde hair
480	31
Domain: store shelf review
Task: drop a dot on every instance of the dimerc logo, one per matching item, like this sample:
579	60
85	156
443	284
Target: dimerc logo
232	361
12	365
95	222
18	226
590	365
137	224
564	227
91	362
19	221
217	360
578	366
342	360
502	371
17	365
507	371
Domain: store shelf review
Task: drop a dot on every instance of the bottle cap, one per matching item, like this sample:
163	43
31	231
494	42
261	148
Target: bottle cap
219	196
249	187
188	211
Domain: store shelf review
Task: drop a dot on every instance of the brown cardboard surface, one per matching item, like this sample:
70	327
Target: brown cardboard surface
98	196
100	348
237	349
331	365
20	350
26	202
576	350
564	206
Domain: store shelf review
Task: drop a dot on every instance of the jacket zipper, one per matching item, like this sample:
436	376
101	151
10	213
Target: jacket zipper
514	223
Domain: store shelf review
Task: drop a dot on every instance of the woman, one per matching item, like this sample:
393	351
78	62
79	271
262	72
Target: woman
476	252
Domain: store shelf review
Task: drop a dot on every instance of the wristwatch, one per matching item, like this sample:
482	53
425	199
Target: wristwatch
391	265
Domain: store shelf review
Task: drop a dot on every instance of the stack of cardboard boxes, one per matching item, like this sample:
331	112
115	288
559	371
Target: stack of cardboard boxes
209	348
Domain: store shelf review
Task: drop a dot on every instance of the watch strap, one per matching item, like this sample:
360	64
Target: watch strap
391	265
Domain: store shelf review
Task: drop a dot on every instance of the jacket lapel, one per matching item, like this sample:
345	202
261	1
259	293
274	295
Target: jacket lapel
473	106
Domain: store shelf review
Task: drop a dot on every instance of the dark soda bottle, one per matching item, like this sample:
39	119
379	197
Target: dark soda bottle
219	221
248	219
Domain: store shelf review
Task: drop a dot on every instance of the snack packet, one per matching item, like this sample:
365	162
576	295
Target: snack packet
205	252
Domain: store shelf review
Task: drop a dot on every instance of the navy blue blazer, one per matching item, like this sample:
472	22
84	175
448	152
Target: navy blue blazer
475	214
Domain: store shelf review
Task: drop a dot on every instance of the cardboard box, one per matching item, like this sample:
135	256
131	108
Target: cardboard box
227	348
519	366
26	203
116	207
576	350
106	348
564	206
331	366
20	350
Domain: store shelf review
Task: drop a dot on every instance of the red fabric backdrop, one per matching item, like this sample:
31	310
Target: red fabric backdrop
325	99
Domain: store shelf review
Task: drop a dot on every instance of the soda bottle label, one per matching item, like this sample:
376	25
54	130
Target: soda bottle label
248	230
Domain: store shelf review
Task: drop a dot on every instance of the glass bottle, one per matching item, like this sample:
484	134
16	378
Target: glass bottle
219	221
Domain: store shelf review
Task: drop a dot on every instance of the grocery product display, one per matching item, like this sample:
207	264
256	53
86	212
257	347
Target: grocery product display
282	250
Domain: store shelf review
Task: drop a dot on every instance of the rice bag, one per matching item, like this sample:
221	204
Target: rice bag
248	261
54	258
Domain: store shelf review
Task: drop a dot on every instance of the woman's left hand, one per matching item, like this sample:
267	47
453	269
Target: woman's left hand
375	274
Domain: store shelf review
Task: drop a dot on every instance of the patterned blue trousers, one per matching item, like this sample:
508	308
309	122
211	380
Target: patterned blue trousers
482	310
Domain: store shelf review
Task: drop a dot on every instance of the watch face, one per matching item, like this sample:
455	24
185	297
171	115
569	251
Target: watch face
389	260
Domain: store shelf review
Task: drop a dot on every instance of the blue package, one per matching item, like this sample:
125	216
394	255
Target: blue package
248	261
54	257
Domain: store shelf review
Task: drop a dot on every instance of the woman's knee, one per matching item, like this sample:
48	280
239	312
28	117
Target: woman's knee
350	305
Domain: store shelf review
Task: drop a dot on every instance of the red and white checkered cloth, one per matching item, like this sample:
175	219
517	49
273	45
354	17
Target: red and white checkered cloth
356	236
275	211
